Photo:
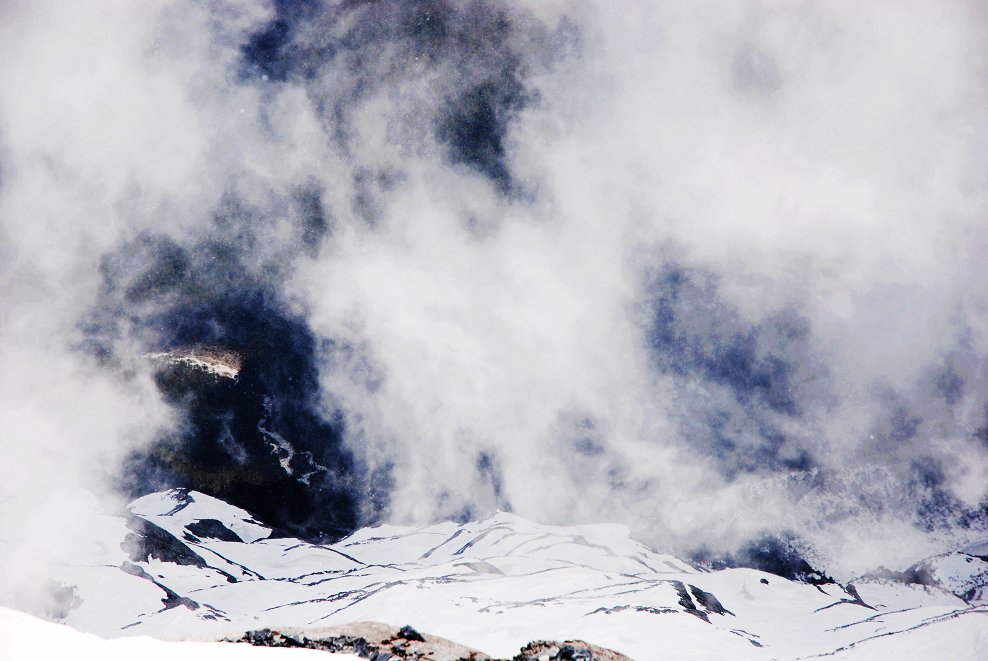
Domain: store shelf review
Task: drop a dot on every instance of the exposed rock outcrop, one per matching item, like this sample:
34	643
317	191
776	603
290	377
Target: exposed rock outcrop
368	640
380	642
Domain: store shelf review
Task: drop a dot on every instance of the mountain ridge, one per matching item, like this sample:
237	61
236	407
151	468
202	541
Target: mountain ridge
195	567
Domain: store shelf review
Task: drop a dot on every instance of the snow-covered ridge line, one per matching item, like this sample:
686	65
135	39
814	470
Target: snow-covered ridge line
197	567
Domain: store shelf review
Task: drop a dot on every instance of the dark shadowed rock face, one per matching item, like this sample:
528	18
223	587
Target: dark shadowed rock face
408	633
708	601
213	529
150	541
258	441
240	370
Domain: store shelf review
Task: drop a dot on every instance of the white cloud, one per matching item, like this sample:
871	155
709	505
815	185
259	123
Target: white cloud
817	157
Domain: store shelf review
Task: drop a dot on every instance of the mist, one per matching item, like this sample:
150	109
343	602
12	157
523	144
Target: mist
709	270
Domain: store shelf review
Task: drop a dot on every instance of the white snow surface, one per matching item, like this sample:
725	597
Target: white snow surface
27	638
495	585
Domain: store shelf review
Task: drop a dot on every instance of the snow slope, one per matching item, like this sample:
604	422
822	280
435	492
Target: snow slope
194	567
27	638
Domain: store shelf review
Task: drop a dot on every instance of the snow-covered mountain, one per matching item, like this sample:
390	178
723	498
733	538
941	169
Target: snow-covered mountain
185	565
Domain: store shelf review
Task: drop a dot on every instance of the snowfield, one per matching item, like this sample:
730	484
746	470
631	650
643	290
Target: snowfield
191	567
24	637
